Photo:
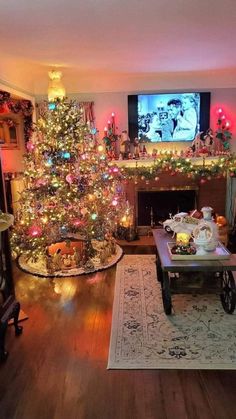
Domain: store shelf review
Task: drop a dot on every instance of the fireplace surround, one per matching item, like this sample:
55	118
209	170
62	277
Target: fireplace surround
211	193
155	206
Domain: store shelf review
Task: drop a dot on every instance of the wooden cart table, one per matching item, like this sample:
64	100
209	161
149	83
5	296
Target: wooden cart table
202	276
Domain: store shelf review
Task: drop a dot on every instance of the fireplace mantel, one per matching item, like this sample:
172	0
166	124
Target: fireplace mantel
150	161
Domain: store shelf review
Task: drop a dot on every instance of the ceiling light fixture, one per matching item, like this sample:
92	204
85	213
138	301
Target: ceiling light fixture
56	89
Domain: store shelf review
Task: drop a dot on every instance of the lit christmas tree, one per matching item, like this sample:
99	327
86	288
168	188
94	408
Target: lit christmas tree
71	193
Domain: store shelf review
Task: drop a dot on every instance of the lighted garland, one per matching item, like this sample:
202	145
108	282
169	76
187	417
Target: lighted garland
179	165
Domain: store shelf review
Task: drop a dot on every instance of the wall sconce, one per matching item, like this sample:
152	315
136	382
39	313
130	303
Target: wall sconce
56	89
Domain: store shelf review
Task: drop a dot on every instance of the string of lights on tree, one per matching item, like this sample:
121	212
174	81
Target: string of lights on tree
70	189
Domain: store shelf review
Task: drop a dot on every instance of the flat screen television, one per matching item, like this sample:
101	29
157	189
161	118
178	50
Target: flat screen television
168	117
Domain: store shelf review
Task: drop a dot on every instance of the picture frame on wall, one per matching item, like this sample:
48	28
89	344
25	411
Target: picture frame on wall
10	131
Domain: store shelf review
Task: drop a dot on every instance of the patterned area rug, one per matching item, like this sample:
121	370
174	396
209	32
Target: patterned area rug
198	335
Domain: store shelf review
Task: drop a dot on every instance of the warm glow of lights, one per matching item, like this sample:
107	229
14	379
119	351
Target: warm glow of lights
66	289
100	148
91	197
182	239
55	88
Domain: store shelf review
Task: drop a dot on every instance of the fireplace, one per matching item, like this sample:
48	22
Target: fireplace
155	206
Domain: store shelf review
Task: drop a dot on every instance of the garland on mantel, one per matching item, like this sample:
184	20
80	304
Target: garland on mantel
178	165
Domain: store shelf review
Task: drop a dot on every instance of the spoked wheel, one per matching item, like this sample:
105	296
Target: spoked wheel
166	302
228	294
168	229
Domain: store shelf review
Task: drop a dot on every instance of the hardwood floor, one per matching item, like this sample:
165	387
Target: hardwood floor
57	368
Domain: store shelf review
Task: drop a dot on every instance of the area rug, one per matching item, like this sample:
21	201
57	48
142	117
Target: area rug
198	335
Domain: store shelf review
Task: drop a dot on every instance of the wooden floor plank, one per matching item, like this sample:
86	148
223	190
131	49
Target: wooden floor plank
57	368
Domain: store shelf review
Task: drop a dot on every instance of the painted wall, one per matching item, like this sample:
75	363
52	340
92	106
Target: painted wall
108	102
12	160
117	102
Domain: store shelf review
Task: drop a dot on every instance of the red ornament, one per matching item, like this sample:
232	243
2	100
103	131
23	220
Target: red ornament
30	146
77	222
202	181
41	182
70	178
35	231
4	108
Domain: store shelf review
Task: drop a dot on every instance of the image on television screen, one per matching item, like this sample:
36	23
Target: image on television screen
168	117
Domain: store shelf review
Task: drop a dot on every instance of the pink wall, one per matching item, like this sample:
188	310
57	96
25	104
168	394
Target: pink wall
12	160
106	103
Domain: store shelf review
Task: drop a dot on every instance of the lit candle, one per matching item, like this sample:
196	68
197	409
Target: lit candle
182	239
113	123
105	132
108	124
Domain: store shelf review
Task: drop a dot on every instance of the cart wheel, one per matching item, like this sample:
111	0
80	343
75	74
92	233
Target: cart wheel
168	229
166	302
228	295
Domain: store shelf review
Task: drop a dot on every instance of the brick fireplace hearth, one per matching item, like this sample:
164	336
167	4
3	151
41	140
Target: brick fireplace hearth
212	193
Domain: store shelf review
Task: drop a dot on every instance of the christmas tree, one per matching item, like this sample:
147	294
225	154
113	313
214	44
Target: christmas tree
70	191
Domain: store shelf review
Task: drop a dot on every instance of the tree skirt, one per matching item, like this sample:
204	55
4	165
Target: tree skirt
39	268
199	334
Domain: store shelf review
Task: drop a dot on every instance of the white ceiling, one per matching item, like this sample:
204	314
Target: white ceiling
96	42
